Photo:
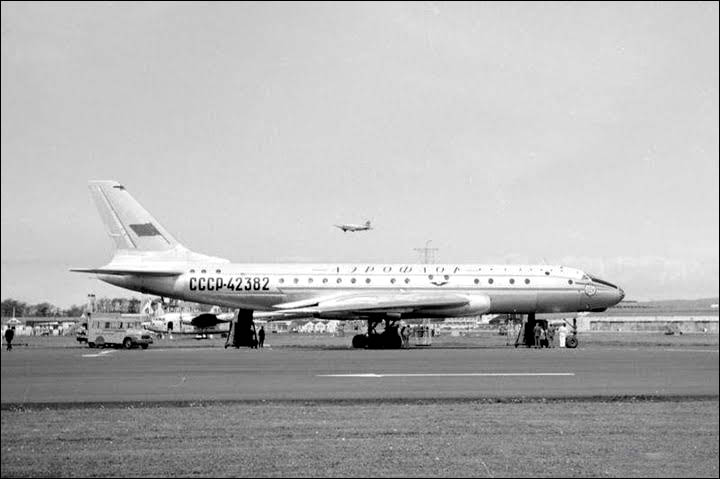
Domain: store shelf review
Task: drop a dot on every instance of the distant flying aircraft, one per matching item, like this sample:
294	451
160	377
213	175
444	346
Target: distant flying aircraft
353	228
150	260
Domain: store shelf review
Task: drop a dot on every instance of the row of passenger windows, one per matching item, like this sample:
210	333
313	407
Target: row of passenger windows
203	271
407	280
392	280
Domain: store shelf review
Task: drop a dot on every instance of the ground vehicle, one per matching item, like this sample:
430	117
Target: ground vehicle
117	332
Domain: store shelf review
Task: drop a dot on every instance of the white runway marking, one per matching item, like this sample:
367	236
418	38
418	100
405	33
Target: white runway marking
692	350
103	353
416	375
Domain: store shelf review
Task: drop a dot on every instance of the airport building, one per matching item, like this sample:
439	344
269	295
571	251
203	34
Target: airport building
700	316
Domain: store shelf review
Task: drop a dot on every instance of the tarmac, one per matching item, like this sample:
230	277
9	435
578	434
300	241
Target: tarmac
77	377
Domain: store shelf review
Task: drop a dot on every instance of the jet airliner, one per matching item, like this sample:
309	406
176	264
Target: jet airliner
150	260
353	228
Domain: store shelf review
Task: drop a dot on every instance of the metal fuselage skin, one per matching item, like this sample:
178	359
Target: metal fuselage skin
261	287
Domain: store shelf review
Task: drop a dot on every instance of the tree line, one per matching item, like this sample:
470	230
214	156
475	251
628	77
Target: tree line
45	309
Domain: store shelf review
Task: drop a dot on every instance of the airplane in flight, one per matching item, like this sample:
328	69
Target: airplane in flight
150	260
352	228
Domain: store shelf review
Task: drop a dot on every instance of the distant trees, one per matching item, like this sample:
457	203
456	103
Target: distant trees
117	305
13	305
45	309
102	305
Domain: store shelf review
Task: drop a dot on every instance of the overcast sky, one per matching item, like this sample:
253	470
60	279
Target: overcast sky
579	134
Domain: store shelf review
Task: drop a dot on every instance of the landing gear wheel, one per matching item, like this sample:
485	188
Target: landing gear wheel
391	339
359	341
571	342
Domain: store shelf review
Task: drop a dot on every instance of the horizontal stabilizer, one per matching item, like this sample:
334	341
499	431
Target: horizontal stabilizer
127	272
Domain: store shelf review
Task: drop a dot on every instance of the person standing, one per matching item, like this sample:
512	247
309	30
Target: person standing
551	336
562	334
537	331
9	335
406	336
261	336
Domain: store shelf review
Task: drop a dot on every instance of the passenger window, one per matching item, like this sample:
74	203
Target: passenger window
339	280
296	281
512	281
477	281
352	281
367	280
407	280
392	280
281	280
218	271
325	280
203	271
491	281
570	281
192	270
527	281
310	280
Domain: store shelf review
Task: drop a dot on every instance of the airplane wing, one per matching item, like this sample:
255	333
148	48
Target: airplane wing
353	305
208	320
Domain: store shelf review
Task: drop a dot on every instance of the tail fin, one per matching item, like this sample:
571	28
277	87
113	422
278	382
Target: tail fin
129	224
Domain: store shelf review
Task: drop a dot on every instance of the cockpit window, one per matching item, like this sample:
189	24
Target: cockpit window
598	280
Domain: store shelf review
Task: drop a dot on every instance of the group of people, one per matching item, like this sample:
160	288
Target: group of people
546	337
258	338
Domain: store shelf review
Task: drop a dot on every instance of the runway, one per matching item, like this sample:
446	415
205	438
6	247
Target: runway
81	376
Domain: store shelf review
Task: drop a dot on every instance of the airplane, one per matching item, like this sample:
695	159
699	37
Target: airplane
353	228
150	260
183	322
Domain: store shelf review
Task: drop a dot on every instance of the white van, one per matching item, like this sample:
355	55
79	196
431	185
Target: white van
117	332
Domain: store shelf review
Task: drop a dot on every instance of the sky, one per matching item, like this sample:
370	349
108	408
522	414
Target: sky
578	134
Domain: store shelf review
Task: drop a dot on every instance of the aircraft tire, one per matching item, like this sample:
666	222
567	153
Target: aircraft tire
359	341
376	341
571	342
391	340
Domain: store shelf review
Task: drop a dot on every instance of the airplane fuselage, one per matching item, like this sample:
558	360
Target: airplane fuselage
262	287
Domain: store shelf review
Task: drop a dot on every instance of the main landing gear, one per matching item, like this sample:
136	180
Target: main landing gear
242	331
388	339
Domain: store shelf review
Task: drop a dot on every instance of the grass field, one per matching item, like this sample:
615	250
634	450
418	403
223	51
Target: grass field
448	439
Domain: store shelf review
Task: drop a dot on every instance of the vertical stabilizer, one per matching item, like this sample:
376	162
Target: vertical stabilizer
129	224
